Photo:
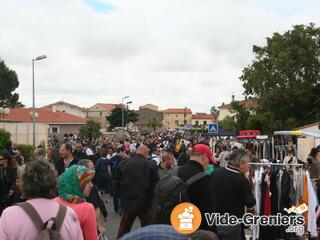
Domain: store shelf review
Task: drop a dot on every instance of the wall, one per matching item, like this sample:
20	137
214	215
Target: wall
223	113
65	129
144	115
169	119
99	114
70	110
201	121
22	133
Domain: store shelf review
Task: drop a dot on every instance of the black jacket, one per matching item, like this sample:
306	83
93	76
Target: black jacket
60	165
7	182
199	193
78	156
136	179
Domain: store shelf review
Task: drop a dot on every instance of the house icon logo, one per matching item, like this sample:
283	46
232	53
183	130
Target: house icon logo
186	218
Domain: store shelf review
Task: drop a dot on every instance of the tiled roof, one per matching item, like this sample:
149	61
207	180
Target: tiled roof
178	110
247	103
46	115
108	106
307	126
202	116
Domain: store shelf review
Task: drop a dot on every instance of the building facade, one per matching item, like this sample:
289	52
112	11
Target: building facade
99	112
69	108
202	119
176	117
146	113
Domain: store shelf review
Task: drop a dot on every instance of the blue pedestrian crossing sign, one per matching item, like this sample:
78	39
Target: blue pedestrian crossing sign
213	128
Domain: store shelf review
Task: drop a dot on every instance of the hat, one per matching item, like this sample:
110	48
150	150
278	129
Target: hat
202	148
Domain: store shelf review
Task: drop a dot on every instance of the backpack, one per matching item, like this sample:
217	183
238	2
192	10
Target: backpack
45	233
169	192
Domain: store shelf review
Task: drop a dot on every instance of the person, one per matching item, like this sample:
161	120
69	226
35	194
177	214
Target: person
155	156
200	158
223	155
66	159
313	161
39	153
136	179
39	187
166	165
290	158
8	175
165	232
184	156
231	192
126	145
78	153
102	178
74	186
133	147
113	164
95	199
88	151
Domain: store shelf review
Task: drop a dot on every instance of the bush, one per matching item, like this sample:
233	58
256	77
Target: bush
26	151
4	138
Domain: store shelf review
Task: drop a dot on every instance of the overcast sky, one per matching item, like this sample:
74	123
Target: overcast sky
172	53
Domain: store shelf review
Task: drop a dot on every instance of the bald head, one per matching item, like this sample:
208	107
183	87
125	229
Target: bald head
143	150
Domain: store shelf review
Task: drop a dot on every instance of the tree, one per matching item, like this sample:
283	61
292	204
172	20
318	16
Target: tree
227	124
115	118
91	129
4	138
154	123
8	84
285	78
241	115
214	112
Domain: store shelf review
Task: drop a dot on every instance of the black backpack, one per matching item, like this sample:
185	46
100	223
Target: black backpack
169	192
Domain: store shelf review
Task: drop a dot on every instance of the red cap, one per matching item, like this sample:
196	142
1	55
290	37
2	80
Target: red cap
202	148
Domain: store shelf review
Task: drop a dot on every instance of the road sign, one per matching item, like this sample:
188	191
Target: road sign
213	128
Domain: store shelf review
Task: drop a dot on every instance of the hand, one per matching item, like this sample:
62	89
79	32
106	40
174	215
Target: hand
102	230
11	192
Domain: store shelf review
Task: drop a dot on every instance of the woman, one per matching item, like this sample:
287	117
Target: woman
39	187
96	201
8	176
74	186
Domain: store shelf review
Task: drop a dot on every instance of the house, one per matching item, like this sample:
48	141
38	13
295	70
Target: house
224	109
62	106
176	117
306	143
99	112
202	119
58	123
146	113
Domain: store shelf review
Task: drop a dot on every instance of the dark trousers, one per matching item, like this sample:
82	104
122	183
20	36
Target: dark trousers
128	218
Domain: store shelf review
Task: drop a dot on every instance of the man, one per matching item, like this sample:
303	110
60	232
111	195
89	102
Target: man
136	179
155	156
133	147
200	158
78	152
167	160
231	193
66	159
39	153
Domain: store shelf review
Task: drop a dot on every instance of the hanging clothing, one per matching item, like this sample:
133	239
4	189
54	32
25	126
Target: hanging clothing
312	205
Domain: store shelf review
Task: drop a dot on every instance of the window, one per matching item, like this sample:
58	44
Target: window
177	122
204	122
100	114
54	129
176	115
197	123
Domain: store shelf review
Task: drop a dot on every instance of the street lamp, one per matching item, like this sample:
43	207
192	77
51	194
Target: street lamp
128	111
123	98
33	100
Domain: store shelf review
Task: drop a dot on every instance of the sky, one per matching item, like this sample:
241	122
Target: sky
171	53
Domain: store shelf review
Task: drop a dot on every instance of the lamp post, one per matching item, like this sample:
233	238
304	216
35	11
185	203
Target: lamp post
128	111
33	100
122	115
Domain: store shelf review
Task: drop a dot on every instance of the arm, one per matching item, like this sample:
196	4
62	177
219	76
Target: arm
100	222
3	227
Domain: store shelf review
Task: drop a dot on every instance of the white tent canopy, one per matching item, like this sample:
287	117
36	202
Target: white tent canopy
298	133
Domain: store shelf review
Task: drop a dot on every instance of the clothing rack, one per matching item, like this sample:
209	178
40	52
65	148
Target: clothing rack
278	164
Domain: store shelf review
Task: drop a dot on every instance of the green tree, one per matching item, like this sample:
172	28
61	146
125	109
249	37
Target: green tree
214	111
91	129
285	77
241	115
154	123
115	118
227	124
8	84
4	138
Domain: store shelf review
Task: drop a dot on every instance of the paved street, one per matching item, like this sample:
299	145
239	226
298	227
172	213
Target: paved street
114	221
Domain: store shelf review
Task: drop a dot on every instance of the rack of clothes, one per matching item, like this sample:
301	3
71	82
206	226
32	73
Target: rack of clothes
277	187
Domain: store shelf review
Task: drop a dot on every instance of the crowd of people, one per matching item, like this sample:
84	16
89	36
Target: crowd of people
146	176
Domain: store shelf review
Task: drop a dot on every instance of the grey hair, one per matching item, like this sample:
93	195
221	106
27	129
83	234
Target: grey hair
237	157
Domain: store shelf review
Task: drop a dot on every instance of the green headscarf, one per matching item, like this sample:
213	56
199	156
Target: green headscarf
72	182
